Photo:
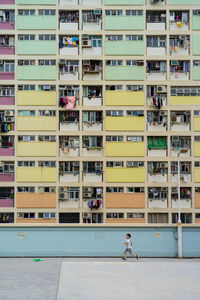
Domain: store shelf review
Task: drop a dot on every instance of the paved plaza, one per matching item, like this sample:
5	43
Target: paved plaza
99	278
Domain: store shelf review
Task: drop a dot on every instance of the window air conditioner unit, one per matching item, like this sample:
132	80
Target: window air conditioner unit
173	119
63	196
87	43
180	91
9	113
161	89
86	195
9	119
86	215
1	62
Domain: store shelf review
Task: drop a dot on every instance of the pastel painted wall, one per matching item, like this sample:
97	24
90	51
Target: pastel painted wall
37	2
184	2
36	47
36	200
124	73
196	123
196	148
36	174
197	175
36	72
124	98
36	123
124	48
185	100
125	175
123	149
196	44
36	22
34	149
125	200
124	23
125	123
123	2
39	98
197	200
196	22
93	241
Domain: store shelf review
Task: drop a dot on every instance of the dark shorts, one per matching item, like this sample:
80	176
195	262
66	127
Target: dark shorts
129	250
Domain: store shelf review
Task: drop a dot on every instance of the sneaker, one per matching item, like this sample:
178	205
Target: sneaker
123	258
137	257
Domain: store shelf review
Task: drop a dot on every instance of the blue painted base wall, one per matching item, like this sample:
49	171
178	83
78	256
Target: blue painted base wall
151	242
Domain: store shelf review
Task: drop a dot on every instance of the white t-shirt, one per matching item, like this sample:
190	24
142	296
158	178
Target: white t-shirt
129	245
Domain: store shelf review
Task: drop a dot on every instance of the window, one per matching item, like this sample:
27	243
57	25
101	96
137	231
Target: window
114	189
27	12
26	62
26	113
197	189
135	113
7	91
26	215
46	62
197	113
134	88
114	138
114	12
114	113
69	167
157	167
92	116
134	164
156	41
135	215
26	138
185	91
26	189
134	138
46	215
197	164
70	66
26	87
113	63
47	88
134	12
92	142
47	113
26	163
157	218
96	41
47	37
73	193
50	164
134	37
114	37
26	37
186	218
182	142
185	168
115	215
114	164
134	63
157	193
197	138
6	167
46	189
92	167
7	67
135	189
69	218
180	117
196	12
46	12
113	87
46	138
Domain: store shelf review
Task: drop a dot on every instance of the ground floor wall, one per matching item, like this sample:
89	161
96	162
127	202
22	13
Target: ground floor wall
93	241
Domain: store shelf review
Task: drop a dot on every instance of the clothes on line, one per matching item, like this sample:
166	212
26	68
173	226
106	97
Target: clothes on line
94	204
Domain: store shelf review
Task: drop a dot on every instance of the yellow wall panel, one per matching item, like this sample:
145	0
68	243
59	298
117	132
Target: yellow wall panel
125	124
36	123
185	100
36	149
196	148
196	123
125	175
36	174
36	98
125	149
114	98
196	174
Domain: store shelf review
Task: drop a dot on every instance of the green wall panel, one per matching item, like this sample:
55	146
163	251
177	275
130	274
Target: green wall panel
196	72
36	22
124	48
36	73
196	44
124	23
38	2
184	2
124	73
196	22
123	2
36	48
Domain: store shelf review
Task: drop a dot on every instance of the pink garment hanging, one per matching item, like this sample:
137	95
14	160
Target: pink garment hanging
70	102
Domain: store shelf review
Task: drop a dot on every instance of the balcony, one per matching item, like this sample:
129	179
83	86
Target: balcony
124	149
37	72
69	45
6	197
125	123
7	121
92	198
179	45
69	197
69	121
36	200
69	171
185	172
134	72
36	22
92	171
6	217
7	146
196	18
179	20
125	174
7	45
181	145
36	123
92	20
157	120
157	96
91	45
69	20
6	171
68	70
7	70
156	45
123	23
69	146
185	197
7	20
35	149
179	70
157	146
92	70
36	174
180	120
125	200
157	197
92	120
92	95
36	47
124	98
92	146
156	20
156	70
158	172
7	2
36	98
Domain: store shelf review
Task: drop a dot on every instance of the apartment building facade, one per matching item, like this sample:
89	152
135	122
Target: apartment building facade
97	98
